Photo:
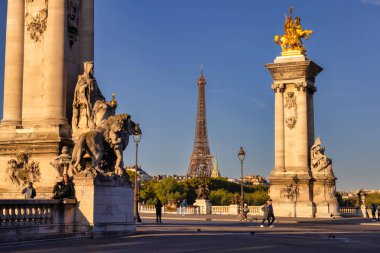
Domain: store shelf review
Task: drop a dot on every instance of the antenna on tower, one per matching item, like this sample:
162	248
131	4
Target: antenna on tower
201	69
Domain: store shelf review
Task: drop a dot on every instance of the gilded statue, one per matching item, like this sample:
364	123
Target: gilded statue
291	40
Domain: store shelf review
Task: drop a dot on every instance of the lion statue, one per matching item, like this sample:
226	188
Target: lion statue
105	145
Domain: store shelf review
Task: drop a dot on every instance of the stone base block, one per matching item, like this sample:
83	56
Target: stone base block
41	144
105	206
204	205
327	210
294	209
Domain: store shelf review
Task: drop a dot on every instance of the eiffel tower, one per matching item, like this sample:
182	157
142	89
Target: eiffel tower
201	159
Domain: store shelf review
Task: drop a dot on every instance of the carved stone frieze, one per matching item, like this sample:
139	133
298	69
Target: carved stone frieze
73	12
294	70
289	192
291	110
36	19
23	170
30	149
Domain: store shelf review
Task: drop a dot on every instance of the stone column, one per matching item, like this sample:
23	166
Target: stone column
86	31
14	62
54	110
302	143
310	108
279	158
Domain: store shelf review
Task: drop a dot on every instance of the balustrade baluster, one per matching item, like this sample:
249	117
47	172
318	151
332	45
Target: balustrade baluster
22	215
39	215
2	217
28	215
49	215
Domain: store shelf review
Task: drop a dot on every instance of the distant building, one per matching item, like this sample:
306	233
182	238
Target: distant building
178	178
215	172
142	174
256	180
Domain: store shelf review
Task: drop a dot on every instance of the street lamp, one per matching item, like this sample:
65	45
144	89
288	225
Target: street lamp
137	137
241	156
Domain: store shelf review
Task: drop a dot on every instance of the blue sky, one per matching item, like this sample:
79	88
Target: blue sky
149	52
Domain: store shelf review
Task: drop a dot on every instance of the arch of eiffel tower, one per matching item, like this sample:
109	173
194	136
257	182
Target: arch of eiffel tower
201	159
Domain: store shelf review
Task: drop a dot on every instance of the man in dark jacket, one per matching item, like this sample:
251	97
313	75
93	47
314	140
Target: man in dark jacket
373	210
29	191
64	189
158	207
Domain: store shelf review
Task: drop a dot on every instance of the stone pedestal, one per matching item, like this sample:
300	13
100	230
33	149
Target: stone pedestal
324	196
105	206
41	144
291	195
204	205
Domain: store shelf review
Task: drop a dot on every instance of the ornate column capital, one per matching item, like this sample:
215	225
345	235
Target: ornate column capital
306	86
278	87
301	86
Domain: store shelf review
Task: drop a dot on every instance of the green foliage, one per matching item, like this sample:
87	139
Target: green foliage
131	175
222	192
256	198
221	197
372	198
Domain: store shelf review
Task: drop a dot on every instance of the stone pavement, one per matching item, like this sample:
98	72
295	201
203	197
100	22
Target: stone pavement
186	234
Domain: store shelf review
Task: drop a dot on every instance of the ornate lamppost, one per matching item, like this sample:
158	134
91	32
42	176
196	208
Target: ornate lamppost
137	137
241	156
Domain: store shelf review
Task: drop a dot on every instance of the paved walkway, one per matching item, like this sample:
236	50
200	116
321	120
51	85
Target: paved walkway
148	217
186	234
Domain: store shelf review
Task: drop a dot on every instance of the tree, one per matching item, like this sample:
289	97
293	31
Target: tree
372	198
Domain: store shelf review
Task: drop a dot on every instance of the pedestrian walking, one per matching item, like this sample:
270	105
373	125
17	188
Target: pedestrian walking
158	207
183	207
245	212
271	217
373	210
378	212
178	207
29	192
268	214
264	208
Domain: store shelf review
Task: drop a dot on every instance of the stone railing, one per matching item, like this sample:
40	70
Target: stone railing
148	209
220	209
152	209
233	209
349	211
255	210
27	218
355	211
193	210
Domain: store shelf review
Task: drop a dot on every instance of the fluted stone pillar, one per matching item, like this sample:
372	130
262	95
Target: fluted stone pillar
14	57
54	98
86	32
279	158
302	137
310	109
